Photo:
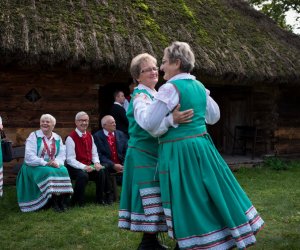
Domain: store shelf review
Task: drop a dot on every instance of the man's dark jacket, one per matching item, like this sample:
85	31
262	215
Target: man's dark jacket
104	153
119	114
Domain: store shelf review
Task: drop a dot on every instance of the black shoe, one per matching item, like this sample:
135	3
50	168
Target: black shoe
150	242
75	203
108	199
63	202
55	204
101	202
160	246
177	247
108	202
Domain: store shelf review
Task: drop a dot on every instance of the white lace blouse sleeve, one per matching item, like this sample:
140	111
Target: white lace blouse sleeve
0	120
212	114
141	106
31	158
154	116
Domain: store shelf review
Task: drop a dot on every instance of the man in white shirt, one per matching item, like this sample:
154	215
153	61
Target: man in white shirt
83	162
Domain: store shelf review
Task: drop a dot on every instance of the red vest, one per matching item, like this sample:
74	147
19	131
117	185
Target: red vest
83	147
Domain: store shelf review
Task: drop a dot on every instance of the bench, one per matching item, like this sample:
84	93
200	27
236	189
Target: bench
18	154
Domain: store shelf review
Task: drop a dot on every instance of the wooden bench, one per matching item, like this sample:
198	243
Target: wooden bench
18	154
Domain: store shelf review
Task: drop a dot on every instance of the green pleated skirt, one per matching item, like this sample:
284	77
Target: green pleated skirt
205	206
140	203
36	185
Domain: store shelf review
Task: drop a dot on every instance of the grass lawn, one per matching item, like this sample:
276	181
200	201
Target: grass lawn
274	193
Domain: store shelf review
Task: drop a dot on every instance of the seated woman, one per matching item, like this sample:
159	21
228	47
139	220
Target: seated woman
1	162
43	175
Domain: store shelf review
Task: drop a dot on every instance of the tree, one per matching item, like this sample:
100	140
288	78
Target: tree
277	9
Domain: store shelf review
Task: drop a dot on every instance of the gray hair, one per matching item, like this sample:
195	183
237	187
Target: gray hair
104	119
79	114
135	66
183	52
48	117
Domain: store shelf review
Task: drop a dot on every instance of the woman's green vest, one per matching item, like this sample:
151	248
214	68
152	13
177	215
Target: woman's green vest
138	137
192	95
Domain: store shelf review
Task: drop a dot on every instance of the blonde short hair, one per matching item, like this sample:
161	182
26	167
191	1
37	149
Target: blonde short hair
183	52
48	117
135	66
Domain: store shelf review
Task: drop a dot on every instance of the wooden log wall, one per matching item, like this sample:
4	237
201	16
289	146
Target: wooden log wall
63	94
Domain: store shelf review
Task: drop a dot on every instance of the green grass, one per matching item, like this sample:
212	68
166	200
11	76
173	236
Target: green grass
275	194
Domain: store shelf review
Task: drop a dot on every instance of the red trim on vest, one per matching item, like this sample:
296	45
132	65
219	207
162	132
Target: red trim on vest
111	139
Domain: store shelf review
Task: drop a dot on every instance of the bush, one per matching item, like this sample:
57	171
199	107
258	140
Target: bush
275	163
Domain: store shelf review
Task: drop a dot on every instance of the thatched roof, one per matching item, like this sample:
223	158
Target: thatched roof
232	41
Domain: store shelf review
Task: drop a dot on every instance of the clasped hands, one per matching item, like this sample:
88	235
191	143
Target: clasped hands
90	168
118	168
53	163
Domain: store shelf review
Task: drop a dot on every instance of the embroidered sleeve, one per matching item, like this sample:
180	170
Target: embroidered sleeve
168	94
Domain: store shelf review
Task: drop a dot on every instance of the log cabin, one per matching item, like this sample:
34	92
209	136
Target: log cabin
61	57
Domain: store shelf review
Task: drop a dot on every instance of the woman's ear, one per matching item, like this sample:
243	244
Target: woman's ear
178	63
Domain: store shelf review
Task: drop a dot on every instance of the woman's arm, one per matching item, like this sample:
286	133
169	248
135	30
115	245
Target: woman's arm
141	106
31	157
212	114
61	157
167	99
1	125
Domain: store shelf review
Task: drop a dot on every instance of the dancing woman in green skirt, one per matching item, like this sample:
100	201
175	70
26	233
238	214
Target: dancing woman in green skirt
205	206
140	206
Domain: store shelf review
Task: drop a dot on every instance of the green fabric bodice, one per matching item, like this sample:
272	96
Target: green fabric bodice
192	95
139	138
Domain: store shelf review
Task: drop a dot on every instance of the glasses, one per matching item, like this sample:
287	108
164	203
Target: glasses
82	120
149	69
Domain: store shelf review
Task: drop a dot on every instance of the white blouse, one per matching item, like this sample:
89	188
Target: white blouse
31	157
151	115
71	154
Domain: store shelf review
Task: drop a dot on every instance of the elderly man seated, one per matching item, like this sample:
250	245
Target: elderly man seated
111	145
84	164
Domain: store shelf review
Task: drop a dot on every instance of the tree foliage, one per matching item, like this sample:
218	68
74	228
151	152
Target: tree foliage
277	9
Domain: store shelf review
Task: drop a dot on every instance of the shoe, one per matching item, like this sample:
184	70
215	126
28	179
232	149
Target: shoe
55	204
108	202
101	203
177	247
108	199
150	242
63	202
